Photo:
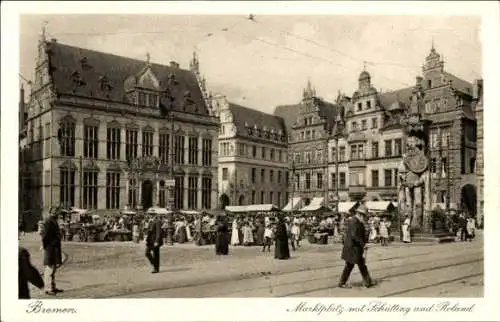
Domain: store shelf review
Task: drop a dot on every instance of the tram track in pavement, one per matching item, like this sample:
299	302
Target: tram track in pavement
208	286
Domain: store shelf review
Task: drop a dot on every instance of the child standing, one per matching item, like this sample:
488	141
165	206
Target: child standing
268	237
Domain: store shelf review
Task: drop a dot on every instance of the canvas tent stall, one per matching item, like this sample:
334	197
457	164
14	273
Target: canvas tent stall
293	204
317	206
347	207
158	211
252	208
378	207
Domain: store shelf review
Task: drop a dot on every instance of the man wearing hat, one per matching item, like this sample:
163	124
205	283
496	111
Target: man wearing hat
355	240
154	241
51	243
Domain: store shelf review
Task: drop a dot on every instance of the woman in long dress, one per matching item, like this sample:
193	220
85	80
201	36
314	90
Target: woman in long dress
247	235
471	227
384	232
189	234
405	228
281	249
222	237
260	233
235	236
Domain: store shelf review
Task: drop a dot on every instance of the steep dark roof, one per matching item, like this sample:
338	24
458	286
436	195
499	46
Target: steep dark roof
389	98
328	111
458	83
245	118
289	113
66	60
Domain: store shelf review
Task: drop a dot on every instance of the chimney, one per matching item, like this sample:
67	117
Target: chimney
174	65
419	81
478	89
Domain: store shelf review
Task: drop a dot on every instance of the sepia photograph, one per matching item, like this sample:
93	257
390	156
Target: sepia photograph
238	156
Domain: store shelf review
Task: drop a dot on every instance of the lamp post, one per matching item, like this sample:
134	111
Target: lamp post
337	135
293	186
170	222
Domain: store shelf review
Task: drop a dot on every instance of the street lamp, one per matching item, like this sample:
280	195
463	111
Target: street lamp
293	186
338	133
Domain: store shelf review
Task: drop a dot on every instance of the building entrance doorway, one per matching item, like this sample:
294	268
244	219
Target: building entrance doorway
147	194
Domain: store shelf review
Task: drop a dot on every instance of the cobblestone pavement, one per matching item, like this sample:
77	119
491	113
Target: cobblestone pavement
102	270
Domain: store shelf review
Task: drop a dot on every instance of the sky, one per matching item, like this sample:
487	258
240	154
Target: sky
267	61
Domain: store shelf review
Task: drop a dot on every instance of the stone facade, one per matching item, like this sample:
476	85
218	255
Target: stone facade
253	160
478	107
101	128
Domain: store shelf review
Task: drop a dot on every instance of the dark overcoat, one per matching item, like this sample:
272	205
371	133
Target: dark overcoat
155	234
27	274
222	239
355	239
51	241
281	249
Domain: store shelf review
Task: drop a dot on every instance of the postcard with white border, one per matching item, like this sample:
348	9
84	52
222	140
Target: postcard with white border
250	161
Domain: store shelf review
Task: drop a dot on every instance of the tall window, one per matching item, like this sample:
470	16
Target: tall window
342	154
433	138
354	152
375	150
147	143
225	174
271	197
444	167
66	136
254	175
164	143
387	177
395	177
374	178
262	197
308	181
271	156
297	181
263	153
342	180
193	150
388	148
254	151
398	147
361	154
206	193
67	187
374	123
112	190
271	176
279	199
90	141
253	197
334	181
131	144
179	192
262	175
89	190
132	193
192	192
49	140
179	149
319	180
279	176
364	125
113	142
207	152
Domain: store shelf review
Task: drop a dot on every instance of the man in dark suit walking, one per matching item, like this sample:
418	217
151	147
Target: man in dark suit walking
51	242
154	241
354	247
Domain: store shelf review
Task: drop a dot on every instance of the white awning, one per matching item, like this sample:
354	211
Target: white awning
252	208
296	202
79	211
190	212
379	205
315	204
346	207
158	211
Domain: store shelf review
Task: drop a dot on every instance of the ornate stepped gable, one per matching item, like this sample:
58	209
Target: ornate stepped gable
97	75
257	124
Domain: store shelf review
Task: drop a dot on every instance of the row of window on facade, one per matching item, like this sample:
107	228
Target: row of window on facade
368	105
271	178
363	125
391	148
67	142
267	198
243	149
90	189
